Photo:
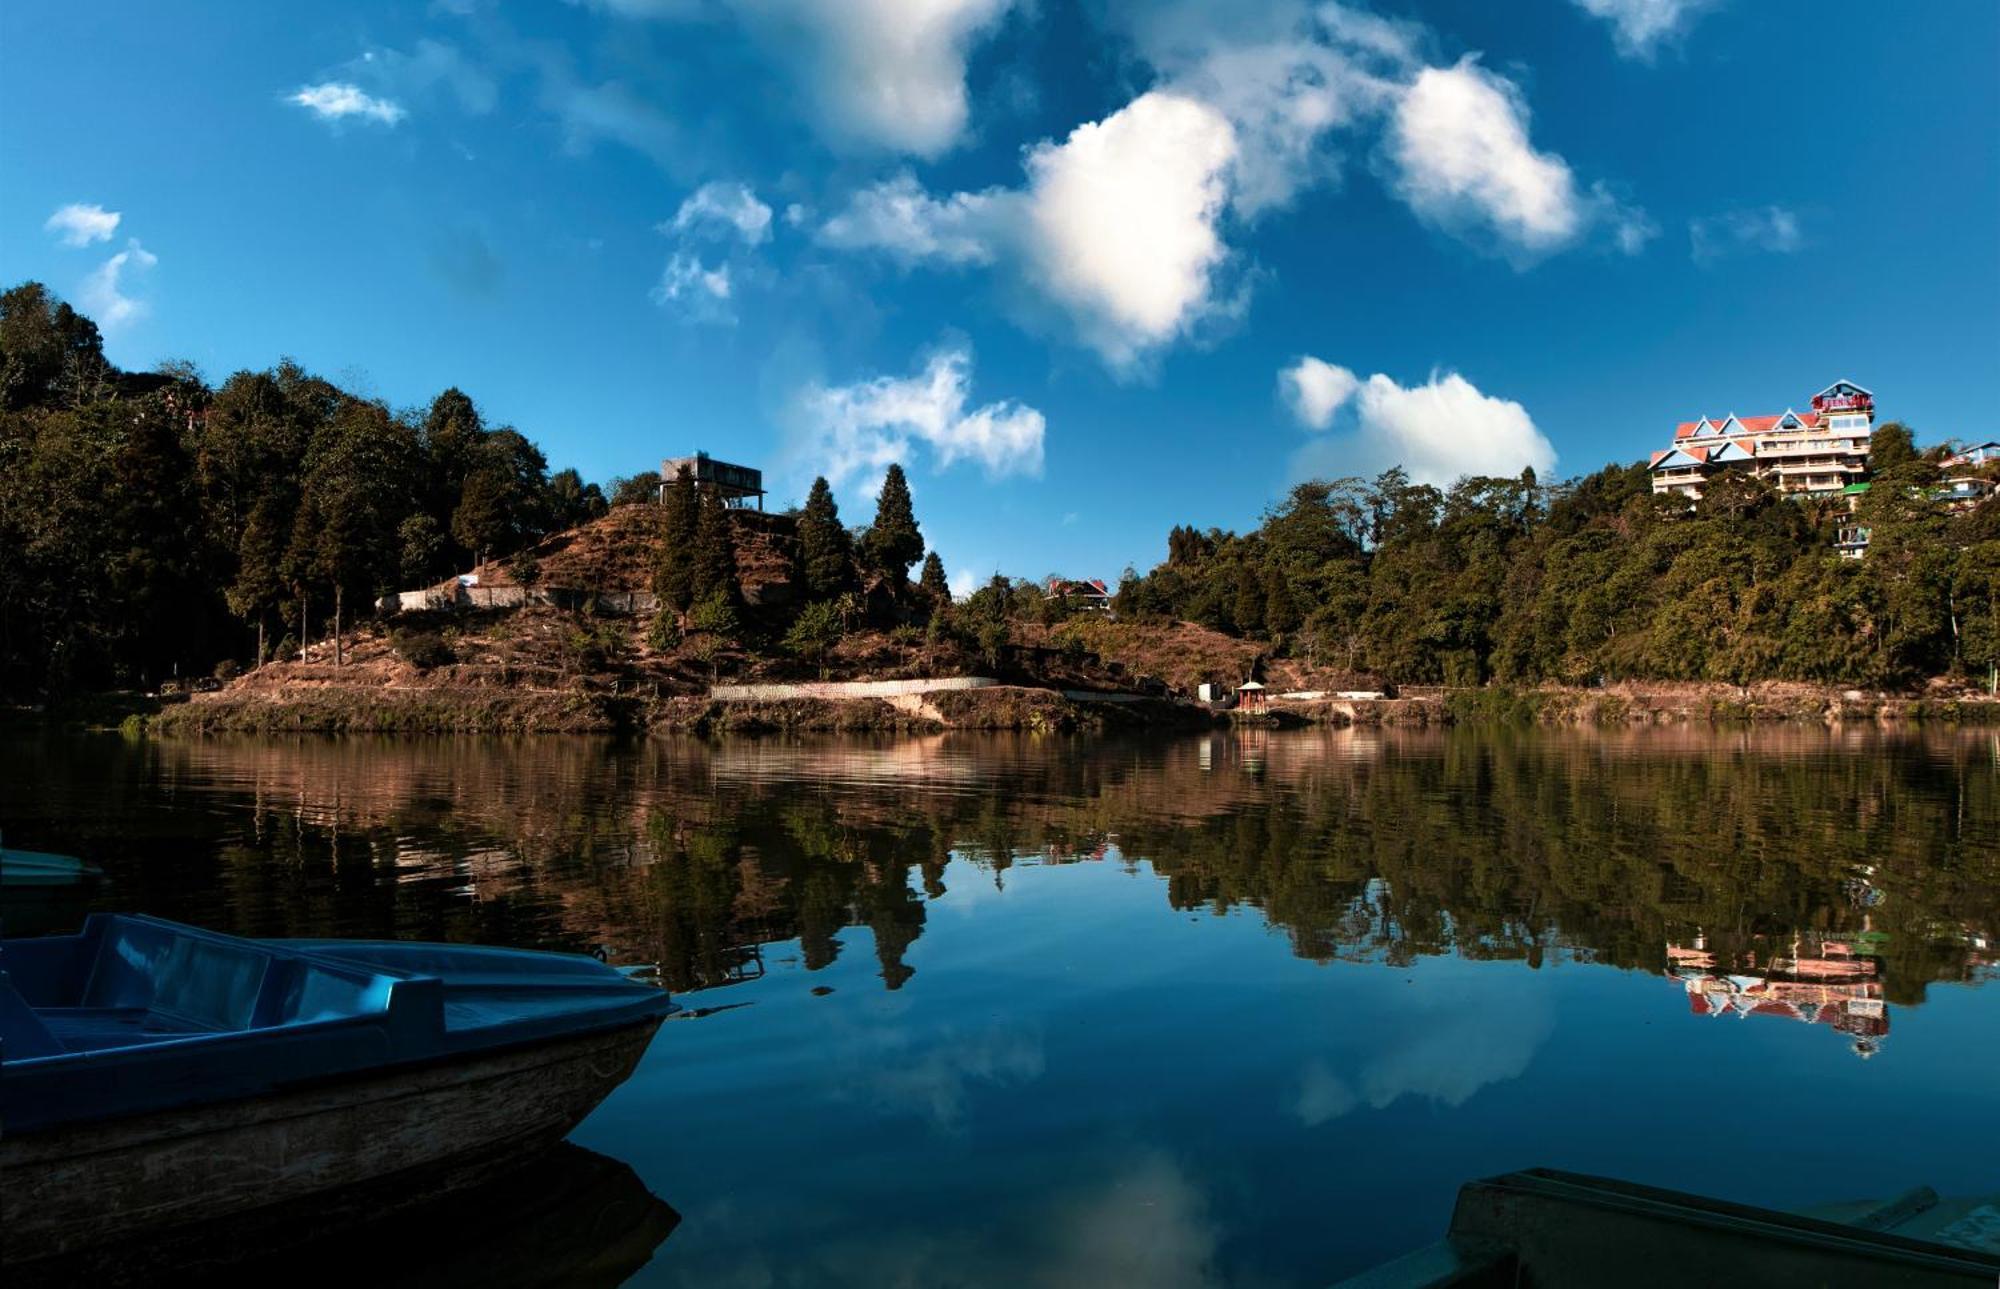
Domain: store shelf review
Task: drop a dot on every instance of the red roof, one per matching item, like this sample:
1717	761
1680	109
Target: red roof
1751	424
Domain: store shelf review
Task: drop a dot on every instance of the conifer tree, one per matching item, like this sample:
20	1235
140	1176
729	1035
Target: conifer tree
893	543
932	579
673	569
712	575
826	553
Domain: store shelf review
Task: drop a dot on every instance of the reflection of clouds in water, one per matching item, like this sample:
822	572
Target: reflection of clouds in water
1445	1047
1134	1220
1150	1226
936	1083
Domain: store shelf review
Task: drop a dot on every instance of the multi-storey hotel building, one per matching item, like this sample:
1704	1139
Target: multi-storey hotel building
1816	452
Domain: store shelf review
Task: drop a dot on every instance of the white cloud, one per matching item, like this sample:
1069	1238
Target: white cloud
1315	389
1116	225
337	100
1288	76
1122	217
82	224
963	583
1772	229
1640	27
856	431
1462	159
728	209
881	73
692	289
1438	431
104	292
899	217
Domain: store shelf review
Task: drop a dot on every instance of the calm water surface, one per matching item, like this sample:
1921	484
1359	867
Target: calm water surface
1242	1010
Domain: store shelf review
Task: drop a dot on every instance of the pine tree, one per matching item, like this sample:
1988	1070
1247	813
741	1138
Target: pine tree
826	553
1248	614
712	575
893	543
673	569
932	578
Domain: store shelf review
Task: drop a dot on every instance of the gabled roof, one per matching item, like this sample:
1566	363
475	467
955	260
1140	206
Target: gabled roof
1840	388
1734	450
1743	425
1681	457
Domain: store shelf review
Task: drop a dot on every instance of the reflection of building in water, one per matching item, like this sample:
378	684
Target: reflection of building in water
1822	983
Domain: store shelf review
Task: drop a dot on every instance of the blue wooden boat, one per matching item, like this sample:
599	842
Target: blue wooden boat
155	1074
1558	1230
42	868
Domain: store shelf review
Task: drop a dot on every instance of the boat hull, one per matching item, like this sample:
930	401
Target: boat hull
68	1190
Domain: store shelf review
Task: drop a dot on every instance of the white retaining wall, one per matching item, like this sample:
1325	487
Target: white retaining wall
846	689
636	603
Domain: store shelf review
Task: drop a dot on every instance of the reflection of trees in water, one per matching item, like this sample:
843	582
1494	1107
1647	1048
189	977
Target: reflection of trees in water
1363	844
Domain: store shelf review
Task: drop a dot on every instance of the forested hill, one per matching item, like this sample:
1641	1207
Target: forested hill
150	524
1507	580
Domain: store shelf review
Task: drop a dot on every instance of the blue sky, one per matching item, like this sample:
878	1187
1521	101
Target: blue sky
1065	261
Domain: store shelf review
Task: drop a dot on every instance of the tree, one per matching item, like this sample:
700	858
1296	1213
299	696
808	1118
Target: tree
933	580
826	552
49	353
714	625
571	501
1890	446
351	507
816	630
892	542
635	489
712	574
673	564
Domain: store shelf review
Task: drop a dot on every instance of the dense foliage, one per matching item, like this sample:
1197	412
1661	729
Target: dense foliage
152	525
1597	579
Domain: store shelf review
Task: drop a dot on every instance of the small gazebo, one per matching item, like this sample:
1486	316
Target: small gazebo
1251	694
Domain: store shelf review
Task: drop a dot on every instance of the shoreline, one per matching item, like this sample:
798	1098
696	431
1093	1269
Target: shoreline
378	709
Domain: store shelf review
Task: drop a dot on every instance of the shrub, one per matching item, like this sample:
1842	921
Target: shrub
228	669
422	649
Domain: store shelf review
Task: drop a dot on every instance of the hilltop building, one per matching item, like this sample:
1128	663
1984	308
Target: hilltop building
736	484
1092	595
1814	453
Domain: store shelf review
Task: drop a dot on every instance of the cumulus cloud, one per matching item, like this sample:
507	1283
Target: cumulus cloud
695	291
1124	225
1117	225
82	224
1461	155
856	431
338	100
1771	229
898	217
105	293
1315	389
724	209
1438	431
1121	221
1640	27
1287	76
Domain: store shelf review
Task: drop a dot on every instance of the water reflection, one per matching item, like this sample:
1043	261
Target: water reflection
1017	1010
1677	852
569	1216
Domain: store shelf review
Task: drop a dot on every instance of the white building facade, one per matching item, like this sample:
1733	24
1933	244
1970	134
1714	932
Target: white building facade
1815	453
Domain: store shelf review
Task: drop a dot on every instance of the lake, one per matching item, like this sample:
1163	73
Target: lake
1207	1009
